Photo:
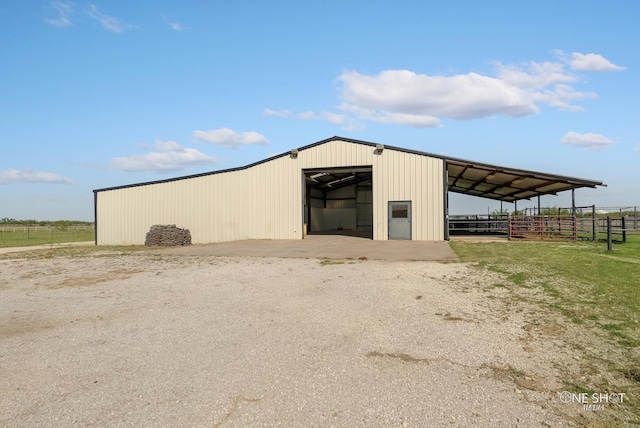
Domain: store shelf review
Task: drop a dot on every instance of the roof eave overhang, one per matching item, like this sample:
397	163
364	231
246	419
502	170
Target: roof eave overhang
507	184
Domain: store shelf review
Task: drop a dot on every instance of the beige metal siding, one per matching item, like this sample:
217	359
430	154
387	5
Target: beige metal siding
265	200
364	209
399	176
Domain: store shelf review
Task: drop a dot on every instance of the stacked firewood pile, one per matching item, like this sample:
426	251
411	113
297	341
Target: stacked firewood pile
167	235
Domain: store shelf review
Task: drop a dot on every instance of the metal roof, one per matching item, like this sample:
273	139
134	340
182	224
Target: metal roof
464	176
494	181
507	184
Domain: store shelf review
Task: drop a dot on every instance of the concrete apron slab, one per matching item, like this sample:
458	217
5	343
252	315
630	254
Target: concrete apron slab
333	247
8	250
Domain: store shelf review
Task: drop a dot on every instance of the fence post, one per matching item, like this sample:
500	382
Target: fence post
593	221
609	239
624	229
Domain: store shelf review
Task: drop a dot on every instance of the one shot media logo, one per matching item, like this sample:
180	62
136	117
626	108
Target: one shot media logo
593	401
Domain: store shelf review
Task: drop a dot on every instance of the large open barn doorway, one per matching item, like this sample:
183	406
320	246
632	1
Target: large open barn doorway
339	201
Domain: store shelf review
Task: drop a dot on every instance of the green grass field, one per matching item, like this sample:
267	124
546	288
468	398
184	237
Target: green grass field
41	237
595	290
603	283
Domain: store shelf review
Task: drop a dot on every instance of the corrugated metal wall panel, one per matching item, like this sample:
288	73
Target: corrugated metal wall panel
364	209
317	219
265	201
341	204
339	218
343	192
317	203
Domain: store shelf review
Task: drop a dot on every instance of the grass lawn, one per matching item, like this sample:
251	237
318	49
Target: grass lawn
595	290
604	284
55	236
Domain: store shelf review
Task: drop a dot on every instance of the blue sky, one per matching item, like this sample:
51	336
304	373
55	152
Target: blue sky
106	93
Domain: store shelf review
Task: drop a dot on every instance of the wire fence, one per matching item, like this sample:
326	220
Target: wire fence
27	229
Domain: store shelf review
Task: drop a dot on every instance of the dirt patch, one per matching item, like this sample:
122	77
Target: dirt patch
88	280
519	377
398	356
449	317
21	325
550	329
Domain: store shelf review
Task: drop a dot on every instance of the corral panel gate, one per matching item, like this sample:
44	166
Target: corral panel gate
544	227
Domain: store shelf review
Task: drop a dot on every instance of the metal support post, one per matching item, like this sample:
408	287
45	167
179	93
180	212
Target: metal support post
593	221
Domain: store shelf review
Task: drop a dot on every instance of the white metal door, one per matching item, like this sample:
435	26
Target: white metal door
400	220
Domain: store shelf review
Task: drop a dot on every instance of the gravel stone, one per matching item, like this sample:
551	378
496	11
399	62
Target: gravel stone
155	340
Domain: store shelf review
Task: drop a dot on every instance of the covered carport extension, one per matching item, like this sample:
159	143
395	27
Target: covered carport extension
507	184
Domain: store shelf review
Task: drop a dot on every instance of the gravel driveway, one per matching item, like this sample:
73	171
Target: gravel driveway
164	340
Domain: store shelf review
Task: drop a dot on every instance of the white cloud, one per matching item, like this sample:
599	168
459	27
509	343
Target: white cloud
64	11
418	121
335	118
404	97
534	75
593	62
176	26
28	175
308	115
229	138
562	96
163	156
586	141
277	113
108	22
637	149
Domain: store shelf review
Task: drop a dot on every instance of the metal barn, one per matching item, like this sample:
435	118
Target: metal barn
337	185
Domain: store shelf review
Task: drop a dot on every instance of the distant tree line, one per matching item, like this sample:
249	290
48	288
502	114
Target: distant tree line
56	223
552	211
